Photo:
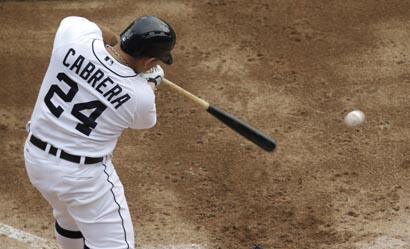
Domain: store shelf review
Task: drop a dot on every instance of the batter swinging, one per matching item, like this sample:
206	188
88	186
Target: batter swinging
94	88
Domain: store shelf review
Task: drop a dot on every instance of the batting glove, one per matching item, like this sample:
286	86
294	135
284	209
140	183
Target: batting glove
154	75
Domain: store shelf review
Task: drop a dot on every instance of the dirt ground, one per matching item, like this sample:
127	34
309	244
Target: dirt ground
292	68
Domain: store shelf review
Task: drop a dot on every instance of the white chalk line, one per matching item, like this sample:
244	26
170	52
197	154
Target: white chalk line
23	237
36	242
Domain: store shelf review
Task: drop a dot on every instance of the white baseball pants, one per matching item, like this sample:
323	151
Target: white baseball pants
87	200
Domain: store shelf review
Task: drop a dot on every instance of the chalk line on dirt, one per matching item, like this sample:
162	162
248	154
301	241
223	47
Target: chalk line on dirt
21	236
36	242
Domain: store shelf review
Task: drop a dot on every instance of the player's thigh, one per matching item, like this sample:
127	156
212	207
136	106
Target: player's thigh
104	219
37	165
43	171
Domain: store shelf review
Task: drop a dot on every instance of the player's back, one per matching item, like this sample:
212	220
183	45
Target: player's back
87	98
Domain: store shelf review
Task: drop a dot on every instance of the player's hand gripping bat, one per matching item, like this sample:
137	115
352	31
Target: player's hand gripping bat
256	136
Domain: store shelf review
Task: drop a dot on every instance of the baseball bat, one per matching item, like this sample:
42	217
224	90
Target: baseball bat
249	132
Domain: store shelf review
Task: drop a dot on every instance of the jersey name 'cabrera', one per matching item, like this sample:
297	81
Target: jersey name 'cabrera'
87	97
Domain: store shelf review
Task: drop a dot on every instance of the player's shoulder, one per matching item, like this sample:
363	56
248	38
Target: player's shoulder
69	20
77	24
75	28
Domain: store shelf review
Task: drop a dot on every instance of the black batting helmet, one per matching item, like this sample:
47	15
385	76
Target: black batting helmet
149	36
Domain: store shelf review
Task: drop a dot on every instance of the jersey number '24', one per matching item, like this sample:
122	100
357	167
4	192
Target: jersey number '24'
88	122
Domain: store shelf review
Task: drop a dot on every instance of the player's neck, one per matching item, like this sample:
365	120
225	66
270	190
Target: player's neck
117	53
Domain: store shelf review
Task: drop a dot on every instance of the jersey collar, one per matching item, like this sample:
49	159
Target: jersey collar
109	62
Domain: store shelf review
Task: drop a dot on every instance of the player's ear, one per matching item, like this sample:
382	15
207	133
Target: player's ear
142	64
151	62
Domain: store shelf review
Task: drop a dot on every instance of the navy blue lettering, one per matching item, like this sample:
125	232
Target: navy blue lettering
113	92
102	84
121	100
70	51
77	64
89	68
97	76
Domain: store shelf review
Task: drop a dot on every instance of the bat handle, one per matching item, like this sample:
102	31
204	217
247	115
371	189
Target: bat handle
194	98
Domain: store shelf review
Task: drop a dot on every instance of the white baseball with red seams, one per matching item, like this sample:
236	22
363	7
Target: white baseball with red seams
354	118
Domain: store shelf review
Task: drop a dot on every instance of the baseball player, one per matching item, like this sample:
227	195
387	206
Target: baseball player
97	84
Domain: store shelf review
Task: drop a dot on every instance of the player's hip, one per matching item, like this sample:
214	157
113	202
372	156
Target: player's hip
52	172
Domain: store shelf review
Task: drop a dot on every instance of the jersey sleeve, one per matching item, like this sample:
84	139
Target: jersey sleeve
145	111
76	29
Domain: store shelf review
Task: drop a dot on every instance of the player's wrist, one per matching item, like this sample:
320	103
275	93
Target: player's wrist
156	80
154	76
153	85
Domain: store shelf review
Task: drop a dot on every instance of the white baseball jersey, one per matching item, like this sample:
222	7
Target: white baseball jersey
87	98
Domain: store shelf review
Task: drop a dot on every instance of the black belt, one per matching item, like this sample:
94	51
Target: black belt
64	155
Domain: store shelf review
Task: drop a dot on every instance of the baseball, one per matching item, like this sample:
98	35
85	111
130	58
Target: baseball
354	118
